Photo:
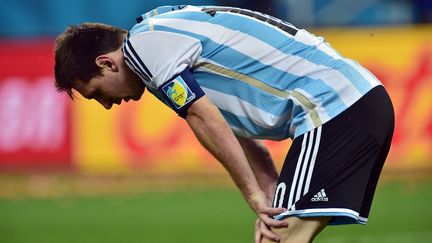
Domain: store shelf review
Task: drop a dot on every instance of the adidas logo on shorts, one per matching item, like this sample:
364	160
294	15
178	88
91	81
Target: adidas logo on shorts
321	196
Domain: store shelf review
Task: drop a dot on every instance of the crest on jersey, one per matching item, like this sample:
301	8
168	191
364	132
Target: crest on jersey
178	92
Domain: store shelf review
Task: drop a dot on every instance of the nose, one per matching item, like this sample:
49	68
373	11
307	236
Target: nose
107	105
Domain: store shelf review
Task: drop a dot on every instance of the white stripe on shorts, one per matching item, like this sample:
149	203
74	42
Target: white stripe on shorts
302	168
314	155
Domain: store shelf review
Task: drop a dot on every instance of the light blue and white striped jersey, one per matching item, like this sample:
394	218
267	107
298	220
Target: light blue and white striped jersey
269	79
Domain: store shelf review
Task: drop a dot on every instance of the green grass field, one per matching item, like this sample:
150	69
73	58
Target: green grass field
401	213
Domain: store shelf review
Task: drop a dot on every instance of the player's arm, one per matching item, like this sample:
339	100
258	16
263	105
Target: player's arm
265	172
262	165
214	133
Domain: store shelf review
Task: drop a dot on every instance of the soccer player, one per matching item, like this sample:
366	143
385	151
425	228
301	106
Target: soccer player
238	76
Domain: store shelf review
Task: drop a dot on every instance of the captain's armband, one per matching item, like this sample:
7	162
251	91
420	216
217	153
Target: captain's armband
181	92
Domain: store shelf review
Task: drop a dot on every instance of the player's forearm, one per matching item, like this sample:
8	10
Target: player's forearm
220	142
262	165
213	132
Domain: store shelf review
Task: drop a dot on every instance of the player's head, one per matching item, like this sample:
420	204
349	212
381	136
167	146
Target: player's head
88	59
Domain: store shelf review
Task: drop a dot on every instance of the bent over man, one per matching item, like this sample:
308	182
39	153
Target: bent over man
238	76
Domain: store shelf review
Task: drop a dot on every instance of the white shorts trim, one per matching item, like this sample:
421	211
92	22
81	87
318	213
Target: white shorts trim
340	215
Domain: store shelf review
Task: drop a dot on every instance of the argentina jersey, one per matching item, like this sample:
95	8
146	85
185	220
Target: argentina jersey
268	79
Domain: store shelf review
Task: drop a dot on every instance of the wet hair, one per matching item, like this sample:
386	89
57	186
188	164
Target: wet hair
76	50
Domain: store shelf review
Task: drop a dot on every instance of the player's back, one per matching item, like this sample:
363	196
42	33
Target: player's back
268	78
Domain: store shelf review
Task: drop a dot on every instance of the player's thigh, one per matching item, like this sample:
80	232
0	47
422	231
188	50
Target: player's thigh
300	230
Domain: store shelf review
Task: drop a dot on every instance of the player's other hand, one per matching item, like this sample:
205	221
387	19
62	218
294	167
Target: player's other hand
265	220
263	231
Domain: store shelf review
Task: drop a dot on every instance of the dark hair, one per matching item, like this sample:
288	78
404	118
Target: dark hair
76	50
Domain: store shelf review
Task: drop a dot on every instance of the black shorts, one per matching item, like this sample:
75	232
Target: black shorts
333	170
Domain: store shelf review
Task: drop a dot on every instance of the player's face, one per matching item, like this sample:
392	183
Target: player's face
116	84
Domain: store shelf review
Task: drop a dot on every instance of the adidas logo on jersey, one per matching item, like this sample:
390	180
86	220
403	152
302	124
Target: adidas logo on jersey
321	196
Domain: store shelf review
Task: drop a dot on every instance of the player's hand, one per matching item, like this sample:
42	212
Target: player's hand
264	212
266	222
258	233
259	205
261	231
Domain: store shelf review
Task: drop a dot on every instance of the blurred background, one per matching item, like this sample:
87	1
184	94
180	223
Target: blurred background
72	171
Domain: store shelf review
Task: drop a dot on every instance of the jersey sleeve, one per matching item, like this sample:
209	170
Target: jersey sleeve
164	54
163	60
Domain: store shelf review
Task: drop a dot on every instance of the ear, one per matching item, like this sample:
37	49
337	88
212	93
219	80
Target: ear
106	61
